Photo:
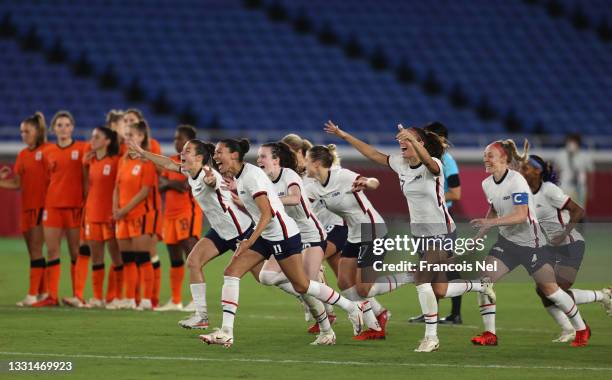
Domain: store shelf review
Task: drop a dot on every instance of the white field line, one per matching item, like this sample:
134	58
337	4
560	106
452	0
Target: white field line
308	362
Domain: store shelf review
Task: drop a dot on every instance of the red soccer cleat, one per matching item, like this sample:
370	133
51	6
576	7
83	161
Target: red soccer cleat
383	318
314	329
487	338
582	337
46	302
370	335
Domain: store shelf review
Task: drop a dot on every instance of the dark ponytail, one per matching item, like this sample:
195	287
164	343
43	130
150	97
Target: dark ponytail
548	173
204	149
241	146
433	143
285	155
113	147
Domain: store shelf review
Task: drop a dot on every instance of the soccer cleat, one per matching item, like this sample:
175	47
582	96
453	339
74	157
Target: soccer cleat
370	334
566	336
94	303
607	300
487	338
356	319
428	344
115	304
487	289
145	304
170	306
195	321
582	337
383	319
417	319
190	308
128	304
451	319
46	302
27	301
42	296
218	337
327	338
73	302
314	329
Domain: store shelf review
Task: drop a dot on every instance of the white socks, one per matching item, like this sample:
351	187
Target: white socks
564	302
560	317
329	296
460	287
229	302
368	314
586	296
198	294
278	279
317	310
487	311
386	284
429	307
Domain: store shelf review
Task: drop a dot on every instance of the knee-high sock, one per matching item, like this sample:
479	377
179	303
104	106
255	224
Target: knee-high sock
177	274
564	302
53	277
429	307
368	315
130	273
37	271
278	279
229	302
487	311
317	310
327	295
198	294
377	308
119	282
146	274
111	285
459	287
386	284
560	317
586	296
73	273
156	286
97	280
43	289
80	271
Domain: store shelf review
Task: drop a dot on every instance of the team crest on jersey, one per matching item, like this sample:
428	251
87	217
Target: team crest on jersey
106	170
136	170
38	156
74	155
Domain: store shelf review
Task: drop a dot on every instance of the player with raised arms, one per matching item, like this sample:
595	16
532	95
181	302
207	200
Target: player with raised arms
558	215
520	241
275	234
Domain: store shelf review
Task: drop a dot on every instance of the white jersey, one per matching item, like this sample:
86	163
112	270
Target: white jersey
227	219
327	218
354	207
549	203
252	182
424	192
310	228
513	190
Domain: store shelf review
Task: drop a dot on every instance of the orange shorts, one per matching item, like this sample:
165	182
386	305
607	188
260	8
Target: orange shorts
99	231
31	218
182	227
131	228
62	217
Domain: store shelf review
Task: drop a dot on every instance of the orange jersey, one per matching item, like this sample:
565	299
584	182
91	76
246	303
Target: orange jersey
132	175
102	176
177	203
154	146
33	176
65	167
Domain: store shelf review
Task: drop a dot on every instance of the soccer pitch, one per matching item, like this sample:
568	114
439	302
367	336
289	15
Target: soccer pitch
271	339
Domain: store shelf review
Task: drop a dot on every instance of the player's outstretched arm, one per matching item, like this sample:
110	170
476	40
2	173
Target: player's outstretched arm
160	161
364	148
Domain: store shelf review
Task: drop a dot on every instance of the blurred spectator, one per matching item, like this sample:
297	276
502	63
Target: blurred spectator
574	166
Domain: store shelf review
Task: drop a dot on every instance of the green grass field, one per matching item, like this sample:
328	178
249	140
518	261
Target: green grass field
271	338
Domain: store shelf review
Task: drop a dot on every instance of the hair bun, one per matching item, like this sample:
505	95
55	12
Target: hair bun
331	147
244	145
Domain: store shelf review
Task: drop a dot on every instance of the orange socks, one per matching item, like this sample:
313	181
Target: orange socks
53	273
130	273
111	285
156	281
97	279
177	274
118	281
79	277
42	287
37	274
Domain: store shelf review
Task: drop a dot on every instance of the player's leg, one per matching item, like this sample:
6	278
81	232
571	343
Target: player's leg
52	237
115	279
130	271
142	246
34	242
97	273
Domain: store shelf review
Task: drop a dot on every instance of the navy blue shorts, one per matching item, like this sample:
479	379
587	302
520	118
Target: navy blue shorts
223	245
513	255
569	255
322	244
338	235
363	252
279	249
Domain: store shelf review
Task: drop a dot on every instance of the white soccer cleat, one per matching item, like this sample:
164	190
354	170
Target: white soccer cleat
42	296
218	337
27	301
195	321
115	304
94	303
190	308
327	338
487	289
428	344
607	300
73	302
128	304
356	319
145	304
565	337
170	306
